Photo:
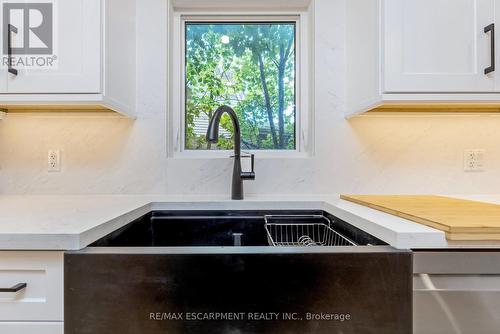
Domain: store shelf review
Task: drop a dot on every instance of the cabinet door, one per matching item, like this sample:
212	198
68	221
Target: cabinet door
437	45
76	44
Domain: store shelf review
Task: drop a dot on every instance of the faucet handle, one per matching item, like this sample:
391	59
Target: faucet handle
252	159
249	175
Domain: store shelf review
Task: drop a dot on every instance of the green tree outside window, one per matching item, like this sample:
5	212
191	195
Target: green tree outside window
250	67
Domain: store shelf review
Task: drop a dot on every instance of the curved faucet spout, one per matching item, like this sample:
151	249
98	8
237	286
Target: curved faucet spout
213	137
213	127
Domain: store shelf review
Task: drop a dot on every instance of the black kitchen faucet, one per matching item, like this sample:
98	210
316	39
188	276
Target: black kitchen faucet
213	137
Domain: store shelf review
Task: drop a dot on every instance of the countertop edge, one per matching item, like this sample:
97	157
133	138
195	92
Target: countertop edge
397	232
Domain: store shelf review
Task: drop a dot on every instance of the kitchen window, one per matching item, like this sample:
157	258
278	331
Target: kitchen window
248	66
256	64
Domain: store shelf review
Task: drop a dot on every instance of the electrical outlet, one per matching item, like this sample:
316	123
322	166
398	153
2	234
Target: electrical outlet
54	161
474	160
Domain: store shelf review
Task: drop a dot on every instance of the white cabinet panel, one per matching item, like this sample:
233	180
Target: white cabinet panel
437	46
42	299
31	328
77	45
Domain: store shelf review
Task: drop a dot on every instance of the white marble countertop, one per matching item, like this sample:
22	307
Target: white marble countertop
73	222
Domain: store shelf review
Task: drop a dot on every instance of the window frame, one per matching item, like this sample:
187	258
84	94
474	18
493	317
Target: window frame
177	75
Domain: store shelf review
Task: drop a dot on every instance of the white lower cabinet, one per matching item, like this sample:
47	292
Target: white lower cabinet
42	299
38	307
31	328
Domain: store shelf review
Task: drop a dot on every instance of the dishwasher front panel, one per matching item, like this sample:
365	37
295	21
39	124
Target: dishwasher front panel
456	292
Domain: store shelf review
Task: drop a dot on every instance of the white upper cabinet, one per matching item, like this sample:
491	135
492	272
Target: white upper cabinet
415	53
437	45
76	46
77	55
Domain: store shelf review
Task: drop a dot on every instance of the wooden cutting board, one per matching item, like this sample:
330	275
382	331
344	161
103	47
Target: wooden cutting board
459	219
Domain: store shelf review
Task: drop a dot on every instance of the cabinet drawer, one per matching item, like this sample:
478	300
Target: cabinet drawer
31	328
42	299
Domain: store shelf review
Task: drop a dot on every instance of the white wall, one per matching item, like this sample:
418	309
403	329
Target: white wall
364	155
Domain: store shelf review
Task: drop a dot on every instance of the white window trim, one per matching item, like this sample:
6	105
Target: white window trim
304	81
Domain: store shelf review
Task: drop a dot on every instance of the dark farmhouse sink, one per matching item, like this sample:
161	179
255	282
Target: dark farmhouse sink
220	228
166	272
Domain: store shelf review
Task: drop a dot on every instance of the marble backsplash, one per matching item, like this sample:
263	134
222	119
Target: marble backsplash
368	154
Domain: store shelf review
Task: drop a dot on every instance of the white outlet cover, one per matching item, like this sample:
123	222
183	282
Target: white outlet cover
54	161
474	160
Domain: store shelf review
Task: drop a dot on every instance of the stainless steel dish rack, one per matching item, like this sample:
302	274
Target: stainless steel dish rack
303	230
